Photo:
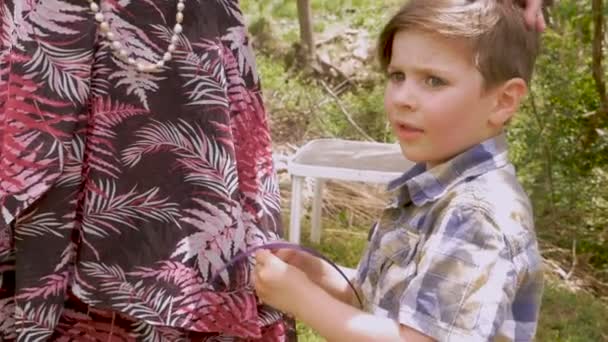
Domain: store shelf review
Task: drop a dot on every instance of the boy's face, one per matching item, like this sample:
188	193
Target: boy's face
434	98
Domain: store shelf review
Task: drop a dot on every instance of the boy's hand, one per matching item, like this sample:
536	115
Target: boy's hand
312	266
319	272
277	283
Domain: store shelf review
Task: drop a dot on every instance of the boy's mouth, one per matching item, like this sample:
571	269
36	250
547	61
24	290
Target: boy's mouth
405	131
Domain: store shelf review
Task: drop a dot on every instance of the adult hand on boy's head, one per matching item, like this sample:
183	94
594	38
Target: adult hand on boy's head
534	15
278	283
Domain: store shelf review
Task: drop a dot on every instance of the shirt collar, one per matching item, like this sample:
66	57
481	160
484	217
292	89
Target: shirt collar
421	185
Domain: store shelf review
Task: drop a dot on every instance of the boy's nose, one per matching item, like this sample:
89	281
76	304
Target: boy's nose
404	96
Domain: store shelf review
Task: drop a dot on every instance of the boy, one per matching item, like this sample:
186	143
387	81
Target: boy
455	258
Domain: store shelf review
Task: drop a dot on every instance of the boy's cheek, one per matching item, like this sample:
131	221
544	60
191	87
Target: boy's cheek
390	96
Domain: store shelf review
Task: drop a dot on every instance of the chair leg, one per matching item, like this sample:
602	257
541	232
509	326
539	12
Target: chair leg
296	209
317	209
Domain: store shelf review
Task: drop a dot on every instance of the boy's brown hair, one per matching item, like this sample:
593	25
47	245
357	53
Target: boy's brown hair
502	46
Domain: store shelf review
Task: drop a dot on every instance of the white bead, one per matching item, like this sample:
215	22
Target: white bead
119	51
150	67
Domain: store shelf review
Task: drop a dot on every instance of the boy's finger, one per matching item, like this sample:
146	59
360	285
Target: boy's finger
266	260
259	279
261	256
283	253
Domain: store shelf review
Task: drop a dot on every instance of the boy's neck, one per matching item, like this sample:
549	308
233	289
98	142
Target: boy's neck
433	164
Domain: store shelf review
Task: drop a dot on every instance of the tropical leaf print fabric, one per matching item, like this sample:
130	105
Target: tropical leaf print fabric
121	192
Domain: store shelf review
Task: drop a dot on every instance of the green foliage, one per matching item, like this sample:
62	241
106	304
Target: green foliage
355	12
369	108
300	108
571	317
560	158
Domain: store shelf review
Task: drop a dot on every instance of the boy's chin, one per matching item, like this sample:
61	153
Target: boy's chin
420	157
412	154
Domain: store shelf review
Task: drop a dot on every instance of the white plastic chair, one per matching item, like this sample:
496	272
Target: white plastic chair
336	159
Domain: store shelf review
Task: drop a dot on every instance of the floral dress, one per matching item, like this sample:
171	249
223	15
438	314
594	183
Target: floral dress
122	193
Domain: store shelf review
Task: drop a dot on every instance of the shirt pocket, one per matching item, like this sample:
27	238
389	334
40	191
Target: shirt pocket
398	250
450	290
399	246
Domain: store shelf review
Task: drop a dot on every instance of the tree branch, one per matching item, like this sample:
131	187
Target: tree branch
597	10
306	29
345	112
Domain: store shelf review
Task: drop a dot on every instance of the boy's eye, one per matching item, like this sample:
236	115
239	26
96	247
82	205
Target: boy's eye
434	82
396	76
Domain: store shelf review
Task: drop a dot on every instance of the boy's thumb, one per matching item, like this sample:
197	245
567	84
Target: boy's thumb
262	256
283	253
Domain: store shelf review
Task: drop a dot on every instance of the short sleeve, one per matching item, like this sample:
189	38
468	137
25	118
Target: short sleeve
464	282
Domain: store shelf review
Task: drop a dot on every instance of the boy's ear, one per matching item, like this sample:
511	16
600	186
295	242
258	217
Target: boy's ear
508	99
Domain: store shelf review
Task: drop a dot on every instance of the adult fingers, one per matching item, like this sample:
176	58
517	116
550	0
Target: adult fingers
533	14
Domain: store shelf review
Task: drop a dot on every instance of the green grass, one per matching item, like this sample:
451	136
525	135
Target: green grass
565	316
572	317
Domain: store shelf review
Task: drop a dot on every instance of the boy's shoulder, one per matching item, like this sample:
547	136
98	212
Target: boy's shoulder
489	212
480	182
498	195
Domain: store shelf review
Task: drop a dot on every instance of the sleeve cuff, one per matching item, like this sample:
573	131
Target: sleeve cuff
437	330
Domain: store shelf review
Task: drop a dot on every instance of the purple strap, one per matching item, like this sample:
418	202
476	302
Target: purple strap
285	245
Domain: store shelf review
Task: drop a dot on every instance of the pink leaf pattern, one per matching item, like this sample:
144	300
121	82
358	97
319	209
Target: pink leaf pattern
122	193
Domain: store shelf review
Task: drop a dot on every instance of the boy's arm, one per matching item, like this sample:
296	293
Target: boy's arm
337	321
335	284
323	274
289	289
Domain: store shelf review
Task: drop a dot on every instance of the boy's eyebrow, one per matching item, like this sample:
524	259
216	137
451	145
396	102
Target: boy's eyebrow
423	69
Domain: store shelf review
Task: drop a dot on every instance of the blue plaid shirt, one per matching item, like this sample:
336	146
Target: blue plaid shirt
455	256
